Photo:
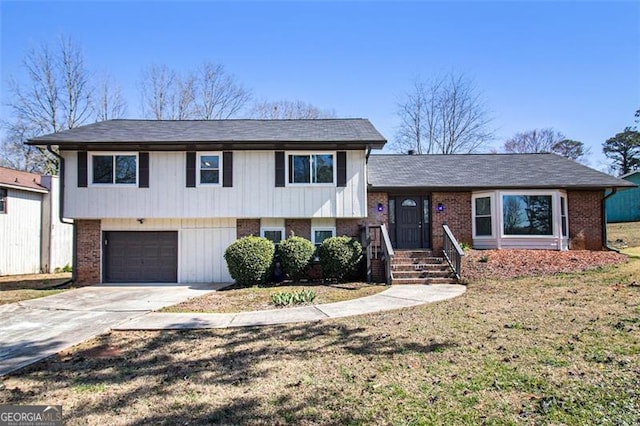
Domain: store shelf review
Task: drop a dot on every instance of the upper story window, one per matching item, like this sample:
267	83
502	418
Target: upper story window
115	169
312	169
3	200
209	167
527	215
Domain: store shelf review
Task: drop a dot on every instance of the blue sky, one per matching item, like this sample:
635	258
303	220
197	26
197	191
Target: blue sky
573	66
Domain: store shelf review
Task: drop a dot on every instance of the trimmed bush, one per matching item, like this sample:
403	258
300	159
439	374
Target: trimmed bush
339	257
296	254
250	260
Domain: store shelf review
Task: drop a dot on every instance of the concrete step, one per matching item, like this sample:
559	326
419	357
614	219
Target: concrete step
422	274
424	281
410	254
420	267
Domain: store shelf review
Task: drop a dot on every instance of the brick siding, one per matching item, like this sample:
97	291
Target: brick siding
299	227
88	244
585	220
348	227
456	214
246	227
374	217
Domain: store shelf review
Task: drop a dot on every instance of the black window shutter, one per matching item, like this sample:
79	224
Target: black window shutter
82	169
143	173
279	168
191	169
227	169
342	168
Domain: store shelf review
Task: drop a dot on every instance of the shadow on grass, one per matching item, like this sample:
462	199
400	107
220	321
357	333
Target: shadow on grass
238	357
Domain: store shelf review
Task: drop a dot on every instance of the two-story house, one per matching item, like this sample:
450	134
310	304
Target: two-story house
159	201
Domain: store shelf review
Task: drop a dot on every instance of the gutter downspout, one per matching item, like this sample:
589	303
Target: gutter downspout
61	212
604	220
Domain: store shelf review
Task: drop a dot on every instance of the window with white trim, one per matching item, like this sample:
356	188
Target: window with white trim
273	234
563	216
318	235
209	168
482	217
527	214
312	169
114	169
3	200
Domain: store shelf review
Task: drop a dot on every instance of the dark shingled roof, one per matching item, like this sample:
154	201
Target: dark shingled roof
485	171
351	130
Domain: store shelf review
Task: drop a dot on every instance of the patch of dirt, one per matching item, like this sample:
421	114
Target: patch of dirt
33	281
504	264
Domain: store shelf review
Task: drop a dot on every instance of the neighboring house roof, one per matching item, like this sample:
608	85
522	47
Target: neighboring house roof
190	134
485	171
628	175
17	179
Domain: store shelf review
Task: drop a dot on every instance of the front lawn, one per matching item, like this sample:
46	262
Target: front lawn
562	349
233	299
15	288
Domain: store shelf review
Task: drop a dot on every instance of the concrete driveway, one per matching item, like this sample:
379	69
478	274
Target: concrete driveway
37	328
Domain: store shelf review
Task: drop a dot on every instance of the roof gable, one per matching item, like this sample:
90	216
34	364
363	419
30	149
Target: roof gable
485	171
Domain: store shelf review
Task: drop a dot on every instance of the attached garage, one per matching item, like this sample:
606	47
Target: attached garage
140	256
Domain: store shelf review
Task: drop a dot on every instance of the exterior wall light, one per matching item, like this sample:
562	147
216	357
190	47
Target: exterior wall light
380	207
141	220
440	207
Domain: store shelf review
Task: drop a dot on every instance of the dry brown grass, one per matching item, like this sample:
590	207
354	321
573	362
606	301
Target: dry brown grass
259	298
15	288
623	235
562	349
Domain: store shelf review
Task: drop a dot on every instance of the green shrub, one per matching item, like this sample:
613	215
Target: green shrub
250	260
296	254
339	257
293	298
464	246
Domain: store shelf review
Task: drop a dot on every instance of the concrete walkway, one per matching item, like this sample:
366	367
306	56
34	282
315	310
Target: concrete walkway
35	329
395	297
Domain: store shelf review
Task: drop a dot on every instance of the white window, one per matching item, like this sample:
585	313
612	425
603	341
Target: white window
482	221
318	235
272	234
209	168
527	214
563	215
114	169
312	169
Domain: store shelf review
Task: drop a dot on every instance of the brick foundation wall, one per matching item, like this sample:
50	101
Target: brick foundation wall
299	227
456	214
246	227
377	271
88	244
585	220
348	227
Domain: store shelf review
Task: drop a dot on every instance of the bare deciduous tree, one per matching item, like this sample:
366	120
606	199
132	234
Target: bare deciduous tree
109	102
55	95
545	140
443	116
285	109
219	96
209	93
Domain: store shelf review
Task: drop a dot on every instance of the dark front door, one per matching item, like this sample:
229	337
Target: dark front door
140	256
412	221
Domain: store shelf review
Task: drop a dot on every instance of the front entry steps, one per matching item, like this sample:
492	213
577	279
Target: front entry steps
420	267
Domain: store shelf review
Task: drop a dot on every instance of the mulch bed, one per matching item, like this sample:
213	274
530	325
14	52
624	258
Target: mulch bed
505	264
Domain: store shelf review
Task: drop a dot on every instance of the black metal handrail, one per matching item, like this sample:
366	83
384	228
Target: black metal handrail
452	252
377	244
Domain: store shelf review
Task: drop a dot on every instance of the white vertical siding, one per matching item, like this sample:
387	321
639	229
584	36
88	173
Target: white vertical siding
253	193
201	244
20	230
57	236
